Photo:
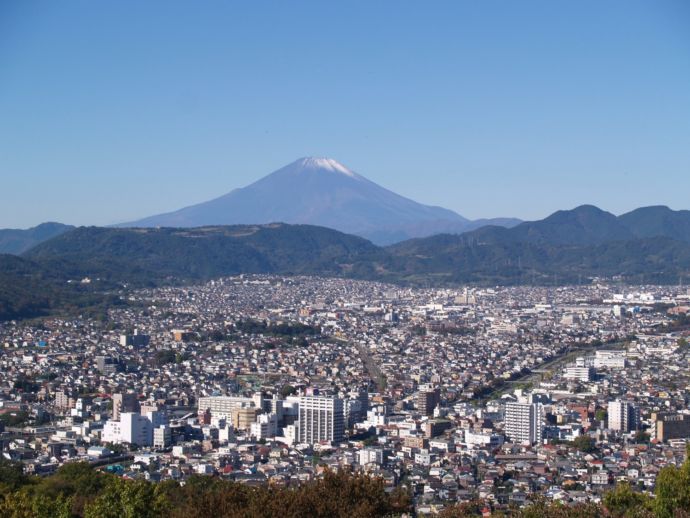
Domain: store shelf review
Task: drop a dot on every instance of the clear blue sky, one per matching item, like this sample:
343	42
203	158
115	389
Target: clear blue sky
110	111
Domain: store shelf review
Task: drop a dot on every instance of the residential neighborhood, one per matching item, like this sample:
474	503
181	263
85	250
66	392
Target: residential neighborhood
493	394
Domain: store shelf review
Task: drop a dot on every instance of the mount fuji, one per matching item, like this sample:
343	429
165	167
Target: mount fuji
322	191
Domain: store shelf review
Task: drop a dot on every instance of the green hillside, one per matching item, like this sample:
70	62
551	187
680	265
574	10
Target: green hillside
17	241
151	256
45	280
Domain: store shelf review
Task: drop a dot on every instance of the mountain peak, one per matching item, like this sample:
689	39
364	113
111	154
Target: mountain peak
318	191
324	164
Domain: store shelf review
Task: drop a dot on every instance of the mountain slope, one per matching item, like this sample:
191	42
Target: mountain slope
567	245
589	225
31	289
658	221
323	192
167	255
584	225
150	256
16	241
37	283
646	245
456	259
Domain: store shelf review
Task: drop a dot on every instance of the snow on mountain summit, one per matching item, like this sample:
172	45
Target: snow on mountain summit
326	164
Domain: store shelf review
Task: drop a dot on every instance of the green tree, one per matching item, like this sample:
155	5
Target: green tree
15	418
166	496
463	510
642	437
673	490
623	502
418	330
124	499
11	476
287	390
76	481
541	508
164	356
22	505
584	443
601	415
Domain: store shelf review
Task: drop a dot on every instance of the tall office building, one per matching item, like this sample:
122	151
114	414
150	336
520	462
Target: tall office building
623	416
127	402
427	399
524	422
321	419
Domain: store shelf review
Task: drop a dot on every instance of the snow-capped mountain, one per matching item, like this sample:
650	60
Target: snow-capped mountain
321	191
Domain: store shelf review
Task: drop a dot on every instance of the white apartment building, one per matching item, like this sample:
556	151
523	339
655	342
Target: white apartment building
609	359
623	416
133	428
584	374
370	456
524	422
487	441
266	426
223	406
321	419
162	436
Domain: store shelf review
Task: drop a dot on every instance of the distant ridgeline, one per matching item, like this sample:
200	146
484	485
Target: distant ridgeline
650	245
16	241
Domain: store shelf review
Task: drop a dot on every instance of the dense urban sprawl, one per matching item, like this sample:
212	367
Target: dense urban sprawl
454	394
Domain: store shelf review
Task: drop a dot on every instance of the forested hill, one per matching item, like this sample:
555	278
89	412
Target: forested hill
48	277
151	256
37	283
30	289
16	241
459	259
589	225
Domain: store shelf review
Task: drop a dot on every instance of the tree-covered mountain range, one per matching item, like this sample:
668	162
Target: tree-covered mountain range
647	245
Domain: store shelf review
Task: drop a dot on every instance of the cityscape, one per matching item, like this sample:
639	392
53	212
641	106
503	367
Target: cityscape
490	394
312	259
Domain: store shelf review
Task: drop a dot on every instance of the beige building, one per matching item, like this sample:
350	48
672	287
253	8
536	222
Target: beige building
669	426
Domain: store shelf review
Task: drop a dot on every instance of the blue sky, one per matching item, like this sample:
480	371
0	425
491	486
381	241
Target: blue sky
119	110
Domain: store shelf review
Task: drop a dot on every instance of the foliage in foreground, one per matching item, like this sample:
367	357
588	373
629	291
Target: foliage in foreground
77	490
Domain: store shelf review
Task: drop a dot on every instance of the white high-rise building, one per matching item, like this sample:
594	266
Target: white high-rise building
524	422
266	426
321	419
133	428
623	416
